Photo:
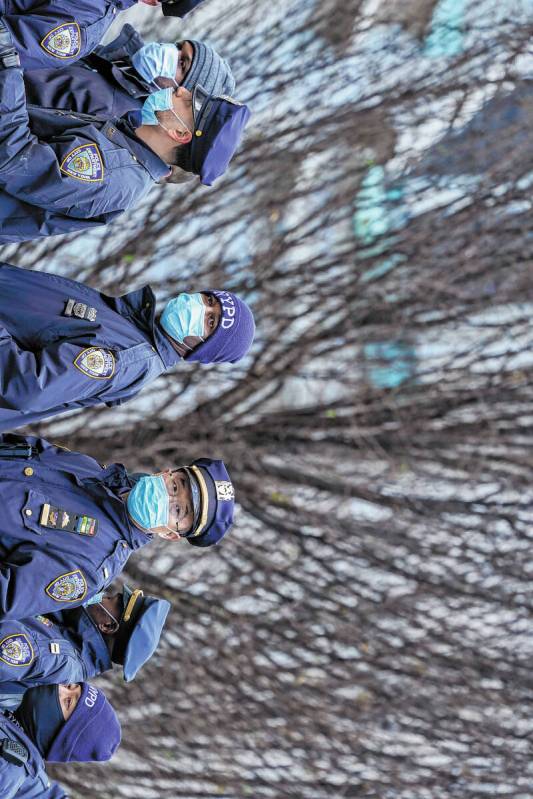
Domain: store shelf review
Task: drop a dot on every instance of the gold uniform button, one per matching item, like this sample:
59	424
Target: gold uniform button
28	471
28	512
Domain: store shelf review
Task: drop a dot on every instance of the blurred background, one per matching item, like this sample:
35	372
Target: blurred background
365	630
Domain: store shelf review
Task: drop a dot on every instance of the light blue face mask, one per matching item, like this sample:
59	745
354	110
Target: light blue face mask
156	60
158	101
184	316
95	600
161	100
148	503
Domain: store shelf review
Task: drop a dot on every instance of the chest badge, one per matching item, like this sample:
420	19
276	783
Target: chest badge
96	363
84	163
16	650
64	41
68	587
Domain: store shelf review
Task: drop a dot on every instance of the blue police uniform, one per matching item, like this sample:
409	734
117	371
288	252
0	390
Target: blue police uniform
28	781
64	345
61	172
65	647
104	84
57	32
68	647
65	533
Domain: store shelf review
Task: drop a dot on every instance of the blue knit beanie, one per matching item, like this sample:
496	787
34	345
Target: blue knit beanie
91	734
208	69
234	335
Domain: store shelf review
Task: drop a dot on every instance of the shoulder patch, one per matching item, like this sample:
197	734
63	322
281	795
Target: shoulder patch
96	363
68	587
64	41
84	163
16	650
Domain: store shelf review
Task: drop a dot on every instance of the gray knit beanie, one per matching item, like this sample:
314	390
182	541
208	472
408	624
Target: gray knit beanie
209	70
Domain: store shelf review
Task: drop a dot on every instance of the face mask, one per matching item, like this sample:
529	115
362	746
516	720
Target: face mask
156	60
184	316
160	101
95	600
148	503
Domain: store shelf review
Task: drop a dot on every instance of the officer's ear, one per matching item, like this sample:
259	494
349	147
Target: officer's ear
168	535
180	136
108	627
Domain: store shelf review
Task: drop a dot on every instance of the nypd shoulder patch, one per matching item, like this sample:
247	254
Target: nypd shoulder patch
225	491
64	41
16	650
68	587
84	163
96	363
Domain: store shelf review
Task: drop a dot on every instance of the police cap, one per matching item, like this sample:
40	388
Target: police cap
218	127
213	500
140	629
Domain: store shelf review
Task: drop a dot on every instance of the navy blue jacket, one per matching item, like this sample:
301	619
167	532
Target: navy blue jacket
45	570
61	172
44	363
104	84
51	33
65	647
29	781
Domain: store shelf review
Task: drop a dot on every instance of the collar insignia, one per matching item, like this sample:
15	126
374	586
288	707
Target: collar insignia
16	650
96	363
63	41
84	163
68	587
224	490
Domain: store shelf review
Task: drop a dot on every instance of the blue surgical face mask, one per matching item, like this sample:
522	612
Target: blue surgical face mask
156	60
95	600
161	100
148	503
158	101
184	316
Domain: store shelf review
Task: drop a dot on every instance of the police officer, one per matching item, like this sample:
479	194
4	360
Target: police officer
118	77
69	525
57	723
64	345
52	33
61	172
74	645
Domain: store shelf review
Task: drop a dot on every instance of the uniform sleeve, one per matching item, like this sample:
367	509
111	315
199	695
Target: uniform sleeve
44	175
34	582
25	662
11	779
55	33
34	382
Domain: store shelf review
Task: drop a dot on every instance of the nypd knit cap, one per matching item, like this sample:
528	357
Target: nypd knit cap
91	734
234	335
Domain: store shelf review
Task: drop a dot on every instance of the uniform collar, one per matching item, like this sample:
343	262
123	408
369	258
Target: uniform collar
121	132
141	306
94	651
